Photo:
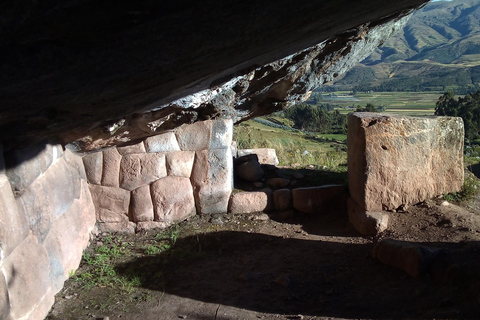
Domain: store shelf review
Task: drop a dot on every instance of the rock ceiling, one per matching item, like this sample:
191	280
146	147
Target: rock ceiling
101	73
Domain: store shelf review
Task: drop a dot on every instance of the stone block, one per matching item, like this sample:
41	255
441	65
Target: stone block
133	148
212	178
121	227
165	142
149	225
14	226
387	154
180	163
172	199
367	223
94	167
23	166
69	235
317	199
76	163
194	137
141	206
111	204
234	149
250	171
265	155
4	297
140	169
111	168
49	197
27	272
411	258
248	202
222	133
282	199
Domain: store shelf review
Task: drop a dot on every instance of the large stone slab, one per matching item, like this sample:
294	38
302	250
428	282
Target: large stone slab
212	178
180	163
248	202
49	197
94	167
265	155
133	148
141	206
196	136
222	133
111	167
172	199
282	199
111	204
164	142
27	271
75	162
25	165
399	160
140	169
317	199
366	222
14	226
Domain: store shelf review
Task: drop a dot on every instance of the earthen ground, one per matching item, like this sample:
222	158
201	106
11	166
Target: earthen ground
308	267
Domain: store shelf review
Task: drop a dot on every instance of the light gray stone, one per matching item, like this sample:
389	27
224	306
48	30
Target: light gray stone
111	204
172	199
14	227
27	272
121	227
388	153
111	168
134	148
94	167
194	137
180	163
164	142
212	180
75	162
222	132
4	297
265	155
141	206
149	225
140	169
367	223
248	202
317	199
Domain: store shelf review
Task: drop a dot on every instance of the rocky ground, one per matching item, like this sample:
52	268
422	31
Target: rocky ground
307	267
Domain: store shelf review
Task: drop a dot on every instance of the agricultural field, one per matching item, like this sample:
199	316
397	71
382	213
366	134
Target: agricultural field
405	103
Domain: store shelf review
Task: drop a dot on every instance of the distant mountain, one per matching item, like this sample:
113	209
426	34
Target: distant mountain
438	49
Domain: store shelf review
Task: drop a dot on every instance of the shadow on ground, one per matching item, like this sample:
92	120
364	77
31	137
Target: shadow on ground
279	275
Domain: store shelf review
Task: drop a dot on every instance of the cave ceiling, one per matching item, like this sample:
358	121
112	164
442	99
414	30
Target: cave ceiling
100	73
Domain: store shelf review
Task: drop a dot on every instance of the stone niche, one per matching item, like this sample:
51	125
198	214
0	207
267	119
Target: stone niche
395	161
164	178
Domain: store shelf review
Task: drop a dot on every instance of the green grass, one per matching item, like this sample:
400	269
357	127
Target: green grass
407	103
327	150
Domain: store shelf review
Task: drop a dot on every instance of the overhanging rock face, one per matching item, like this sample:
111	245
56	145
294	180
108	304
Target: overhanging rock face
110	73
395	161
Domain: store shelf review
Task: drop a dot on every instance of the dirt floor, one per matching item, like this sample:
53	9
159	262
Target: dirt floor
302	267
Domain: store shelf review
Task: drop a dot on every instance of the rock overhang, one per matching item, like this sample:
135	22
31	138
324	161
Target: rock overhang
110	74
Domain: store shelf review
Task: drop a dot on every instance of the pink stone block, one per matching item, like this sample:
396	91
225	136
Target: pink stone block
111	167
140	169
141	204
180	163
172	199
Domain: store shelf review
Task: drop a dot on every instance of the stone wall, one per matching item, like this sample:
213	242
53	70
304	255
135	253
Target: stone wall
395	161
46	216
163	179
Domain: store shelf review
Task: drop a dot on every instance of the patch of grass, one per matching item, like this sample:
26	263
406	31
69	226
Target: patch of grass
470	188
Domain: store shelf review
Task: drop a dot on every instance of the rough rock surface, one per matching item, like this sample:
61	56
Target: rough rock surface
387	154
141	206
366	222
265	155
250	171
129	74
317	199
140	169
248	202
172	199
